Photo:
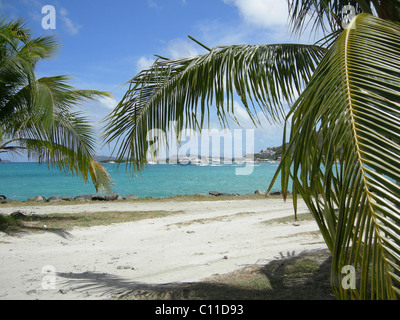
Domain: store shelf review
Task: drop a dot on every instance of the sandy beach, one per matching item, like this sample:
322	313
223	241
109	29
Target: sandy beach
204	238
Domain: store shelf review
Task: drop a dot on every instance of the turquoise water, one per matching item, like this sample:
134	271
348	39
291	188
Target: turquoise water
21	181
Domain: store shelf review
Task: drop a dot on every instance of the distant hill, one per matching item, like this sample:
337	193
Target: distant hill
104	158
271	153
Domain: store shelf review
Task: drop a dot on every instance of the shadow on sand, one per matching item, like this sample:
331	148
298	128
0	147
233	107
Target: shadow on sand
304	276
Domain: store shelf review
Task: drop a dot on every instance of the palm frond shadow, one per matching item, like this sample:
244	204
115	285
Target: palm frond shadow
57	231
24	228
277	280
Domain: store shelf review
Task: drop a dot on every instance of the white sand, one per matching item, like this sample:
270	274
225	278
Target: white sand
96	262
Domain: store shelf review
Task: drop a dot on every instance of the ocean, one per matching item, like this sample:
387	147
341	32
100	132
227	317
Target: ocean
20	180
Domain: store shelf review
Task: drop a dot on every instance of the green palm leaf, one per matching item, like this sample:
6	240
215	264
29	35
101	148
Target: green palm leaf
19	54
183	90
55	133
38	115
326	15
344	153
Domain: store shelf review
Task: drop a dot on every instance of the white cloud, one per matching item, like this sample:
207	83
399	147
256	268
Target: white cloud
179	48
98	109
174	49
108	102
71	26
266	135
153	4
144	63
263	13
242	116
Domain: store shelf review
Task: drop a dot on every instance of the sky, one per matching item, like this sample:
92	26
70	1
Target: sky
103	43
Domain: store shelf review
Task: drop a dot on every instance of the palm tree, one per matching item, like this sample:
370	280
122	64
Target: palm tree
38	115
343	151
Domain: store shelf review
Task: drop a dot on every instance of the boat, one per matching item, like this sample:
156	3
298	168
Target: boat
184	163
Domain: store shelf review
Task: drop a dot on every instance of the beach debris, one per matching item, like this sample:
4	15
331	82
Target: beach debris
125	268
29	292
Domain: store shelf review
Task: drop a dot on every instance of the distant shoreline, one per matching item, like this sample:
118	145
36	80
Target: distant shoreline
29	180
115	197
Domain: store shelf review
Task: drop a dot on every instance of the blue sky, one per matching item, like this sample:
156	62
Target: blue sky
103	43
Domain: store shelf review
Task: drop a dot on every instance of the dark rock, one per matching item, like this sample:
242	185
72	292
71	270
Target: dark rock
218	194
67	198
214	193
98	197
2	197
37	199
54	199
18	215
84	197
276	193
131	197
9	201
112	197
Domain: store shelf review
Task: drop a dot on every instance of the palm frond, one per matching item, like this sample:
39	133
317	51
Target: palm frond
327	15
55	133
19	54
324	15
344	155
67	145
183	90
